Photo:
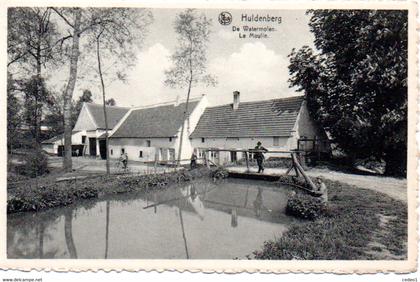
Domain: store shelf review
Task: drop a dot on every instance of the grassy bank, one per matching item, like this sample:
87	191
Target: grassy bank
43	196
360	224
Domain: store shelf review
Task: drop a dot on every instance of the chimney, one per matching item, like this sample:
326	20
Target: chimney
236	95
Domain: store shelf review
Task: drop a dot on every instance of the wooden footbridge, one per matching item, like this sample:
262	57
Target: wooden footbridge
295	156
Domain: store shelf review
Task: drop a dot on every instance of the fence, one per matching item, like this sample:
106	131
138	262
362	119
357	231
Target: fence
315	148
229	157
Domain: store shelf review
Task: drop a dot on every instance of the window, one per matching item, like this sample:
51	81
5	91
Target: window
122	150
170	139
112	152
83	139
140	154
276	141
202	140
148	143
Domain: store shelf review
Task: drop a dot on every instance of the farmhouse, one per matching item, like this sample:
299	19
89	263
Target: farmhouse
153	133
55	145
278	124
88	135
91	124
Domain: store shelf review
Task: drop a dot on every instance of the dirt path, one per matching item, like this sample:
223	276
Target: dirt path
394	187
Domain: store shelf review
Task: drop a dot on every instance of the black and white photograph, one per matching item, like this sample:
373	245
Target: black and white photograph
243	134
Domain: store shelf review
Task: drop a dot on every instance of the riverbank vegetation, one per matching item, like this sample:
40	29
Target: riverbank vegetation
35	197
360	224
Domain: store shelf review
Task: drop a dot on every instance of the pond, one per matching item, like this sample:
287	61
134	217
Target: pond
195	220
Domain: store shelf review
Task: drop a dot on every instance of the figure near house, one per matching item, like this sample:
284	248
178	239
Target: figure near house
259	156
124	160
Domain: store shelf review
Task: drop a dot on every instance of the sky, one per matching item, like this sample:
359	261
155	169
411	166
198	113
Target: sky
255	67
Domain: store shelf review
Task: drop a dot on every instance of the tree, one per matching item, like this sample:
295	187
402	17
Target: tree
356	82
36	96
115	29
14	115
110	102
190	59
115	41
76	14
32	44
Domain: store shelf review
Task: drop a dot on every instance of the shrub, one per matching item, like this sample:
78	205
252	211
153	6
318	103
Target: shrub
219	173
305	206
35	164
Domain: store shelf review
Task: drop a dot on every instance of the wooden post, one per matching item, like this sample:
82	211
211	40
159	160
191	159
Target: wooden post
299	167
155	164
206	162
247	161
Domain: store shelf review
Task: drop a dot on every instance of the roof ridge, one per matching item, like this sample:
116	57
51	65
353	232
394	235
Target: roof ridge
171	103
258	101
108	106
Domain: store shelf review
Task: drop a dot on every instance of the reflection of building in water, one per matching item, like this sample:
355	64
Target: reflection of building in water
190	194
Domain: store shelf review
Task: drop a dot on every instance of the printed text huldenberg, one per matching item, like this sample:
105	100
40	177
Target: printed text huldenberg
260	18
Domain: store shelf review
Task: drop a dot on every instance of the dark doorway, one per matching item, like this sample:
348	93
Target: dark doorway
92	146
102	149
233	156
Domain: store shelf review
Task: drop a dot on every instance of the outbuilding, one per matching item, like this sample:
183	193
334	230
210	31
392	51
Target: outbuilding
152	133
279	124
91	124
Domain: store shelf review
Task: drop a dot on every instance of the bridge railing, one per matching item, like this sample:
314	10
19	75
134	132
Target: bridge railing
246	157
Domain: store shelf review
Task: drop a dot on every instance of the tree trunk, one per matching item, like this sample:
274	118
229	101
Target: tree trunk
68	94
181	137
104	102
38	94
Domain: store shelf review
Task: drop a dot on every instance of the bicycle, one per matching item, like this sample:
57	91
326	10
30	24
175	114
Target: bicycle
119	167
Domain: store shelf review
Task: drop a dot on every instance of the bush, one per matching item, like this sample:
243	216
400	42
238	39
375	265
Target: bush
35	164
305	206
219	173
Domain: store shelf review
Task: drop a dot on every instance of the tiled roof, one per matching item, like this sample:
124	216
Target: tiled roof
159	121
114	114
261	118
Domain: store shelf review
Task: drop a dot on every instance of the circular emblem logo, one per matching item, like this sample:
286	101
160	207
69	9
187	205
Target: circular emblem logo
225	18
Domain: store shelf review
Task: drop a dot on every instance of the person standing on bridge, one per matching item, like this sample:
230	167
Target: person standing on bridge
259	156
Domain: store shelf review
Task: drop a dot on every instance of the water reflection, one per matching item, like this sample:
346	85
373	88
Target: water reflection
196	220
107	229
68	233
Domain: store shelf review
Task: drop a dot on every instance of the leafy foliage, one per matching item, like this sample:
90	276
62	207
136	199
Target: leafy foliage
345	230
35	164
110	102
190	58
14	113
305	206
32	38
356	81
37	97
31	197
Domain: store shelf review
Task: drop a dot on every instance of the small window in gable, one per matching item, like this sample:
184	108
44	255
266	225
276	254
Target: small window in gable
202	140
112	152
148	143
170	139
122	150
140	154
